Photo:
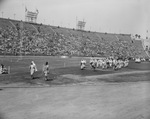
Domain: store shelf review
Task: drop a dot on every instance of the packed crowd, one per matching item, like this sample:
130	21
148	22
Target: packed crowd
68	42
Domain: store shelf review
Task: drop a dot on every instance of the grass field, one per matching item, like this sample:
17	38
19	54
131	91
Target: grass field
72	93
67	71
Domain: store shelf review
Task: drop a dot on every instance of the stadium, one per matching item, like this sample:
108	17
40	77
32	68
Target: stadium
70	92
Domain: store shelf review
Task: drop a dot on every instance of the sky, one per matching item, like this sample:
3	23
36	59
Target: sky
111	16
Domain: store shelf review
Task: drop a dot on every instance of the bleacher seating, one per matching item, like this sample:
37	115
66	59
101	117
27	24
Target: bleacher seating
38	39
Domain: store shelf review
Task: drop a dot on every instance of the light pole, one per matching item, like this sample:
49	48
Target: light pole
14	16
61	24
2	14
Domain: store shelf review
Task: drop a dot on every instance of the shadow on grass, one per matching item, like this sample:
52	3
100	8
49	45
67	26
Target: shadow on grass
127	78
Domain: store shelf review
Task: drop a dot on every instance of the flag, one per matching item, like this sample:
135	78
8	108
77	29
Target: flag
26	9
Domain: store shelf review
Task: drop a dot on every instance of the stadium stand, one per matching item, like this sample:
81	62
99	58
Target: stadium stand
39	39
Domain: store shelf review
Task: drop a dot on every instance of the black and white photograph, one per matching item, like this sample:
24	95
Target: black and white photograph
74	59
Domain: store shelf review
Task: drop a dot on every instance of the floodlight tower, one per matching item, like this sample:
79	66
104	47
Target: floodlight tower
31	16
81	25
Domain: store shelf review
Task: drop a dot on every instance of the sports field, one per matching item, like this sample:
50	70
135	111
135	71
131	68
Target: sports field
72	93
64	71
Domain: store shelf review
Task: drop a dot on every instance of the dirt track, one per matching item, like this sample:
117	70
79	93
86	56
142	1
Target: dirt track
84	101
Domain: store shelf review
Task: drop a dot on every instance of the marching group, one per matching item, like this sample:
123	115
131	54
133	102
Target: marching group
105	63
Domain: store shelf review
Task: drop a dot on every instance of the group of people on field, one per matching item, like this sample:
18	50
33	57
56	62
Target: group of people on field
95	63
105	63
33	69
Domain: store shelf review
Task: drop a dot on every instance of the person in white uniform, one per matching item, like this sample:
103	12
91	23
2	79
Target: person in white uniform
33	69
82	65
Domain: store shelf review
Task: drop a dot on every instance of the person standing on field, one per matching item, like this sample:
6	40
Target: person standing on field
46	70
82	64
33	69
1	68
